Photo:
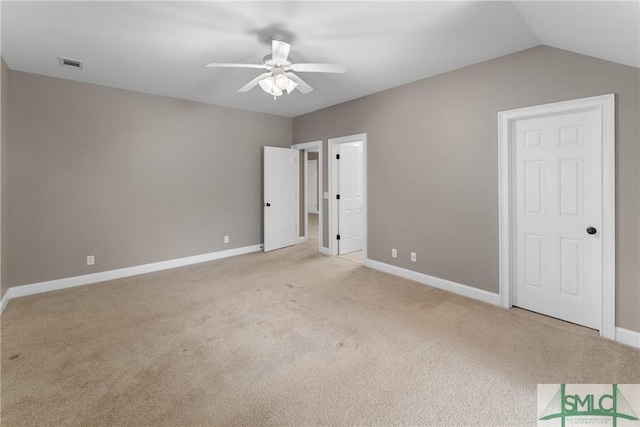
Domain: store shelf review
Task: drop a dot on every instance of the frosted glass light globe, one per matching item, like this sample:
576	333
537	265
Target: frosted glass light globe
282	82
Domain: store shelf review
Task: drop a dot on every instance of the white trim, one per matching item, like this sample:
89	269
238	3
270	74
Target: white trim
315	146
333	190
70	282
325	251
297	208
3	304
5	299
436	282
608	217
628	337
606	105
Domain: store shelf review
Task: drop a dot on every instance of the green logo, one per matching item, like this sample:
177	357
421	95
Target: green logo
565	405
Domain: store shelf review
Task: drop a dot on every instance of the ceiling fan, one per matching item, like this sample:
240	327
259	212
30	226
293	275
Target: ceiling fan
280	67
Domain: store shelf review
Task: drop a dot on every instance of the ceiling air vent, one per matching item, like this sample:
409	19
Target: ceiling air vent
70	63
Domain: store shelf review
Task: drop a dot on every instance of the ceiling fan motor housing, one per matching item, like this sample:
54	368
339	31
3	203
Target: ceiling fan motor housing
270	62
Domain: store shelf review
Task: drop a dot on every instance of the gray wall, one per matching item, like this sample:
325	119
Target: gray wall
128	177
433	162
4	178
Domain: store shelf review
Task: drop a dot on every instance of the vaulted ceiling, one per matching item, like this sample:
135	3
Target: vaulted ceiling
162	47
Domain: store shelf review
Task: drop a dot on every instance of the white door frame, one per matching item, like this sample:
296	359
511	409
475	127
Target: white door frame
333	191
605	105
315	146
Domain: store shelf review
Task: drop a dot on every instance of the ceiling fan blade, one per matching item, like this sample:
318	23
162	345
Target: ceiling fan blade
219	65
280	50
319	68
254	82
302	85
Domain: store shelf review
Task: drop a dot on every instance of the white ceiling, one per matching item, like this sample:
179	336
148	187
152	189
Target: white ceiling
162	47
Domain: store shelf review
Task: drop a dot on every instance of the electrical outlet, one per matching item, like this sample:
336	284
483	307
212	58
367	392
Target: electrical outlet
91	260
394	253
226	239
413	256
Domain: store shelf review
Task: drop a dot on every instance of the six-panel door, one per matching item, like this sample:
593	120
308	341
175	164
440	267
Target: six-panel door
558	173
350	188
280	197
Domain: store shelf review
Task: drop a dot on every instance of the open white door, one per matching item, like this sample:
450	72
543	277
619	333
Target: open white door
281	176
350	187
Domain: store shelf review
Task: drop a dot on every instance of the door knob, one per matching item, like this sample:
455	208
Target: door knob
591	230
267	204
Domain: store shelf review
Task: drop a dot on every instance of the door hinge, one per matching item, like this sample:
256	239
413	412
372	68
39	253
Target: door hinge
338	196
337	156
338	237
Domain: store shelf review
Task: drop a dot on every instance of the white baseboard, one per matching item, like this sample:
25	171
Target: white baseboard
302	239
436	282
5	300
325	251
624	336
628	337
70	282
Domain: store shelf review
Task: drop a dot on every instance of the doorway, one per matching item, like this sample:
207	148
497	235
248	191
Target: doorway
347	198
312	183
310	222
557	201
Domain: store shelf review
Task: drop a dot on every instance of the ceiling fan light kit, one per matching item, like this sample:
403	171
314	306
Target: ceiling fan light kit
279	77
277	83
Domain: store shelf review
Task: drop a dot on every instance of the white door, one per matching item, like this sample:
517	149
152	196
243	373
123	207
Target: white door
312	186
281	175
558	190
350	188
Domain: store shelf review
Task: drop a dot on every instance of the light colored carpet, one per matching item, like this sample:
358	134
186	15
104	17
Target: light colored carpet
353	256
286	338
